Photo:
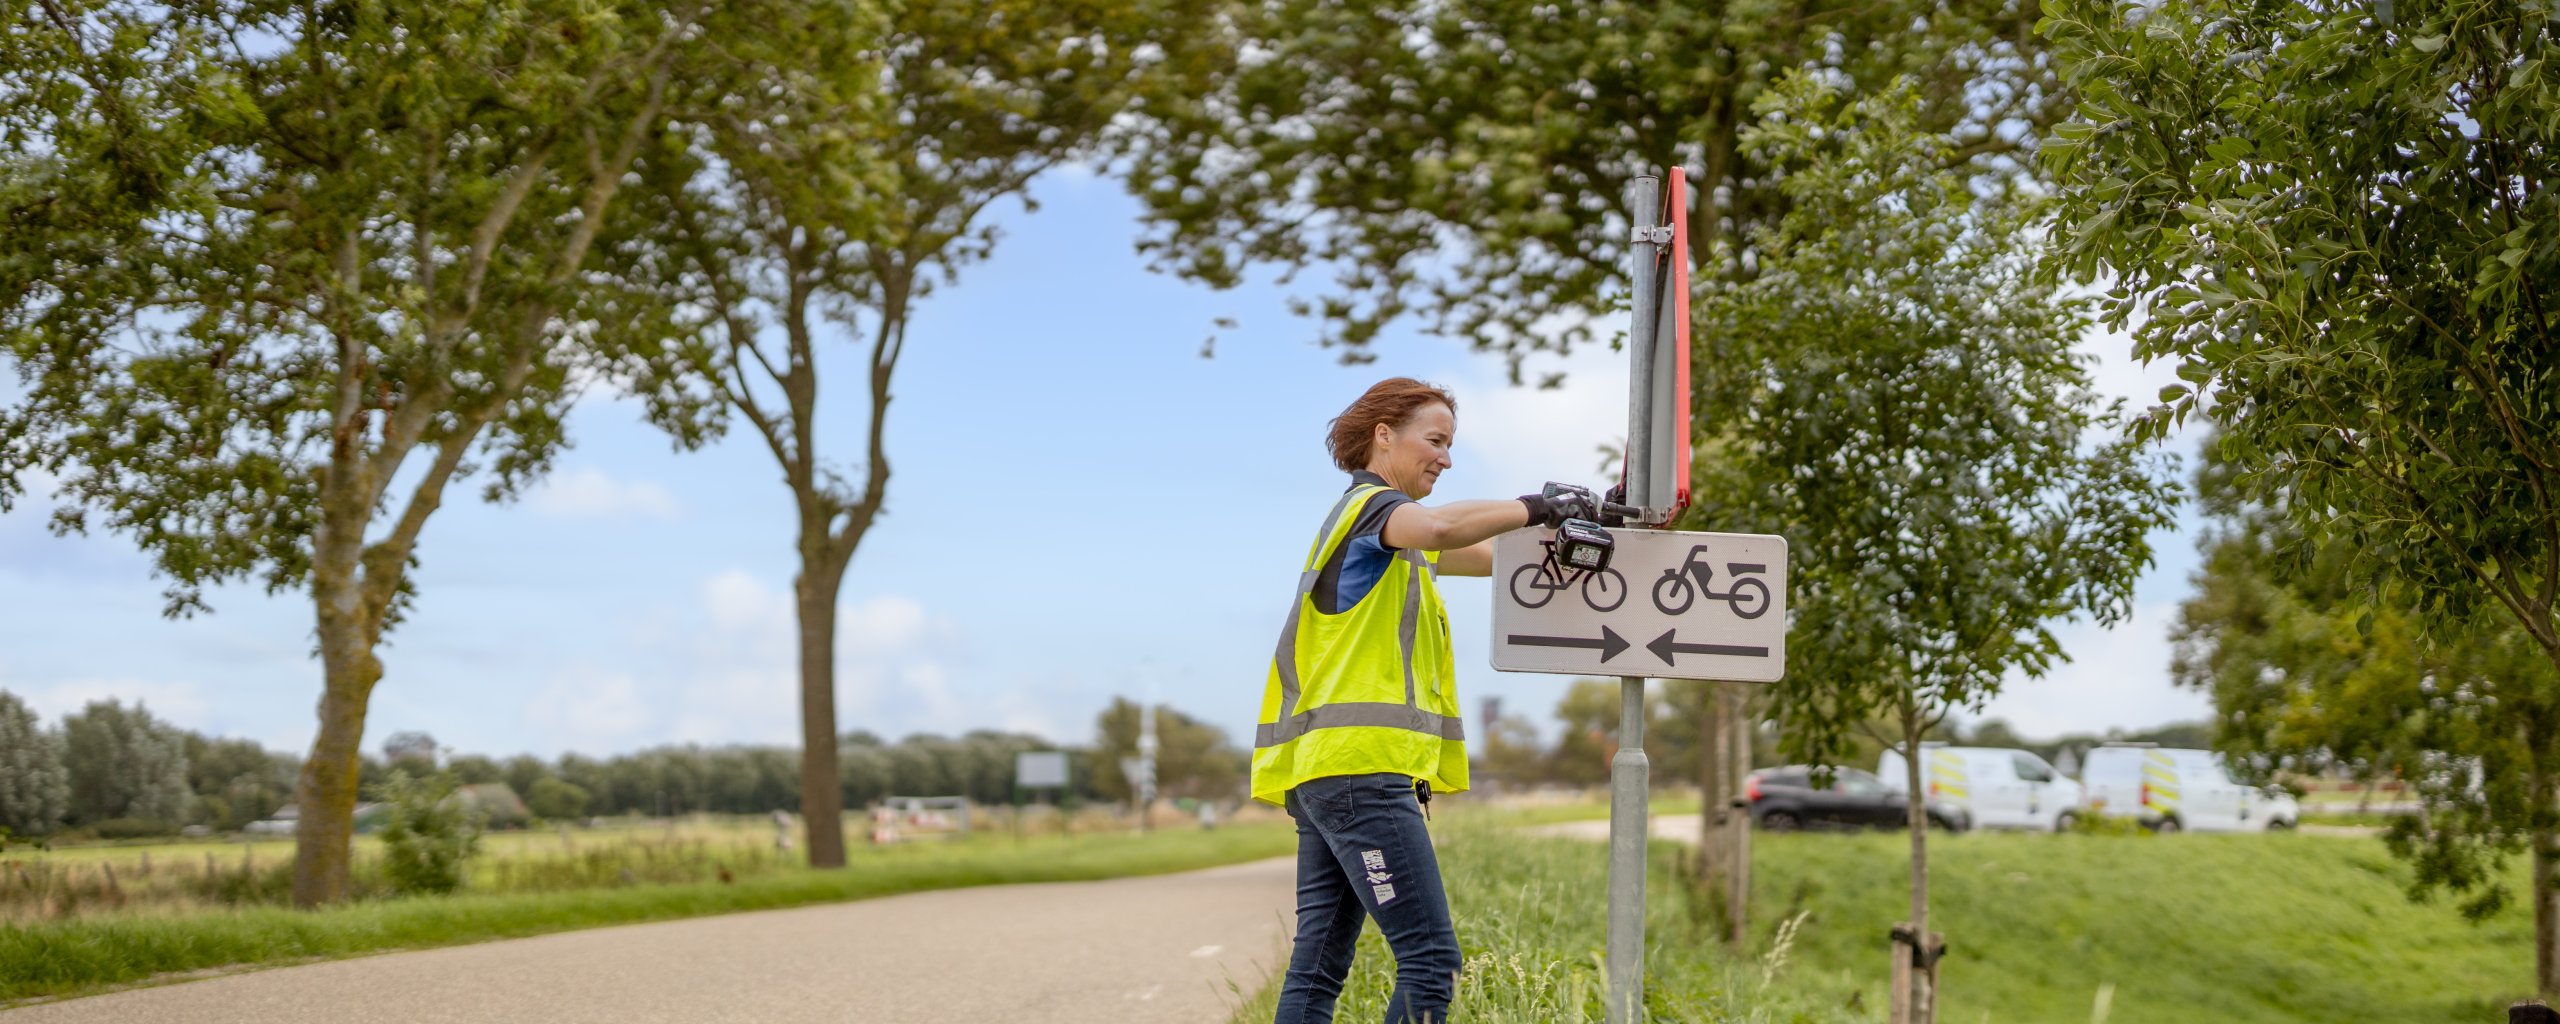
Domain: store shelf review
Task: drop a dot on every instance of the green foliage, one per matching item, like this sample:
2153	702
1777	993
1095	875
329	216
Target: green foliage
1894	394
1588	712
1466	162
237	781
428	834
123	763
1193	758
35	790
2338	220
555	800
277	276
2311	671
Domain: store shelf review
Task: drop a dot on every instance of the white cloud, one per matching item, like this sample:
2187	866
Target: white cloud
587	493
1520	437
2117	678
883	625
588	710
733	668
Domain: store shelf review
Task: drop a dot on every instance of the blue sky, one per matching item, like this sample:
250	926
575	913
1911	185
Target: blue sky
1082	507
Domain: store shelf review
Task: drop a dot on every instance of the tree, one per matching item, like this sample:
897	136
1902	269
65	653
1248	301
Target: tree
412	752
2312	672
555	800
2338	222
843	191
1193	758
1588	712
278	275
35	791
1466	163
1901	402
236	781
124	764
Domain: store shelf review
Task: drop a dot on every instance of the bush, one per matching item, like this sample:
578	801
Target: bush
427	835
2107	825
131	828
556	799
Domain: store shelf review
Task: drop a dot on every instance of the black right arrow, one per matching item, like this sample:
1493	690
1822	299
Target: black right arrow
1610	644
1664	647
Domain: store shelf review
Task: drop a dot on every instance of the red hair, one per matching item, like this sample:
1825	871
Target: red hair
1393	402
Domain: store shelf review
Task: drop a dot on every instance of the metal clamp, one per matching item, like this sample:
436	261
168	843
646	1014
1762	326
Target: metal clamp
1659	234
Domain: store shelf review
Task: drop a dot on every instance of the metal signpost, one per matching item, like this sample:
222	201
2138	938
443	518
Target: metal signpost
1670	604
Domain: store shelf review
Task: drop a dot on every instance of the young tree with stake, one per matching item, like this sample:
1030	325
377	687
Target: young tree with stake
1894	394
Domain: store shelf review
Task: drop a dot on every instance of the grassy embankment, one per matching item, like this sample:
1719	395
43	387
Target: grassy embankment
84	954
2230	929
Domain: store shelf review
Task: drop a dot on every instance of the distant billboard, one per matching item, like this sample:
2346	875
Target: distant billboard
1040	769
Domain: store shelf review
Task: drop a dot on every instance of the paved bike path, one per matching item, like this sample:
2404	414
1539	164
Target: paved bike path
1183	948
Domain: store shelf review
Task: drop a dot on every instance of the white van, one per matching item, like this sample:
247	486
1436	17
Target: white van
2169	789
1999	787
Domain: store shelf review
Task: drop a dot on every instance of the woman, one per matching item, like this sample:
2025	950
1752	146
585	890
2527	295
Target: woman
1360	721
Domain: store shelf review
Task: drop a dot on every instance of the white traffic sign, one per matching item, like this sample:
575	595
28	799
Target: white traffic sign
1670	606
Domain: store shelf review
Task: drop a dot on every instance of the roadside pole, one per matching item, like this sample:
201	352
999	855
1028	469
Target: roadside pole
1713	604
1630	774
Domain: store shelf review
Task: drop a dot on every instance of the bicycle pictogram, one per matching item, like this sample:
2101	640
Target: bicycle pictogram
1534	585
1674	593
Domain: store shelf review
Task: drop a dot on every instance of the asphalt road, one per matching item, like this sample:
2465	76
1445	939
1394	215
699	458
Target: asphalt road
1684	828
1172	948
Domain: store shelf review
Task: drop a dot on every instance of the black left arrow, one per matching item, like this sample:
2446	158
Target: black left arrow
1666	645
1610	644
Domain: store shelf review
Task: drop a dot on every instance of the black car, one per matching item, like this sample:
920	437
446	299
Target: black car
1784	800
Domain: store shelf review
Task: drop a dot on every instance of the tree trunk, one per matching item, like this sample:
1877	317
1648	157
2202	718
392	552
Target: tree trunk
1738	820
325	795
1715	791
2546	900
1923	995
821	788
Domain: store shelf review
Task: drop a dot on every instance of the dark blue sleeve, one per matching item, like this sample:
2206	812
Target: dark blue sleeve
1363	557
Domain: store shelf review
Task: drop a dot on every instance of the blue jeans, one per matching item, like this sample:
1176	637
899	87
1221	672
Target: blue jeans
1363	852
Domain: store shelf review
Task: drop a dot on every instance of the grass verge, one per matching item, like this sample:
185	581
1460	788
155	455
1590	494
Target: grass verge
1531	913
2235	929
64	958
2242	929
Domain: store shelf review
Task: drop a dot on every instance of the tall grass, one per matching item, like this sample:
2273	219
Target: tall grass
2251	929
2233	929
81	954
1531	915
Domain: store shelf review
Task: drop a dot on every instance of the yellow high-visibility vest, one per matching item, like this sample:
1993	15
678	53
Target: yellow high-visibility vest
1370	689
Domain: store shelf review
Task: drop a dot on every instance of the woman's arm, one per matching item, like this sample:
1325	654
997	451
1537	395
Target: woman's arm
1454	526
1473	560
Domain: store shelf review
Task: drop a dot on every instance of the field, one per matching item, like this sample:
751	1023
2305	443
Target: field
2175	930
188	876
528	884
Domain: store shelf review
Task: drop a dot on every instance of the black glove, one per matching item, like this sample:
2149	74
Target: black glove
1554	504
1542	512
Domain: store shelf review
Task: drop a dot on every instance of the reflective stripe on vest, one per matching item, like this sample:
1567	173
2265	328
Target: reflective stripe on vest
1409	715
